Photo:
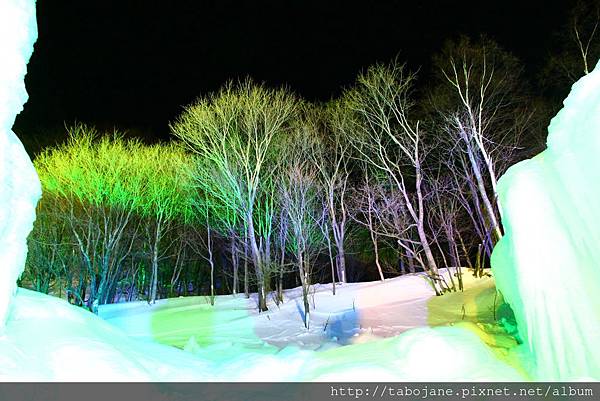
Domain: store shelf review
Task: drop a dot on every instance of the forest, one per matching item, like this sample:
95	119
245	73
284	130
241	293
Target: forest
260	190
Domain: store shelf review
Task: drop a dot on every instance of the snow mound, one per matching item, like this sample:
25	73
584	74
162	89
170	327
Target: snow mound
548	263
48	339
423	354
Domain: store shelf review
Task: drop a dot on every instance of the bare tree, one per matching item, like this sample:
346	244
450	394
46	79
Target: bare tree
236	133
50	246
208	243
388	139
324	225
300	196
484	116
282	238
381	208
330	154
445	216
577	46
585	20
179	259
365	211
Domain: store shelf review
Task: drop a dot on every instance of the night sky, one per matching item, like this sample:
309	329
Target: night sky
134	64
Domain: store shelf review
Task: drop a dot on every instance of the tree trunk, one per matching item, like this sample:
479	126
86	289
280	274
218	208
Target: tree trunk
372	233
411	265
332	264
211	264
235	260
246	284
377	263
280	282
481	185
305	286
338	228
431	264
258	266
212	282
154	278
92	294
464	249
341	261
261	295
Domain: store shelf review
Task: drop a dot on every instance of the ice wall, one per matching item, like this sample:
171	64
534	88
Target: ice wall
548	264
19	184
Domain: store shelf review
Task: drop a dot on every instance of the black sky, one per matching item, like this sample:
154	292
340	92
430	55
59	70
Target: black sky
135	63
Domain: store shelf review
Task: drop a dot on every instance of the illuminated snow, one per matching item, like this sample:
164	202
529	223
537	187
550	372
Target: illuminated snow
367	331
19	185
48	339
548	264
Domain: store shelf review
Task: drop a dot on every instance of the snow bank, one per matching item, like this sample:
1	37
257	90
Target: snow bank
548	264
46	339
454	353
19	185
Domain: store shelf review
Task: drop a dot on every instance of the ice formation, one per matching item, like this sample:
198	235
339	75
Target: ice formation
548	264
19	184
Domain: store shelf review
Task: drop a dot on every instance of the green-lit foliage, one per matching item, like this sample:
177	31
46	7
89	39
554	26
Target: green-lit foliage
92	181
112	202
93	170
166	200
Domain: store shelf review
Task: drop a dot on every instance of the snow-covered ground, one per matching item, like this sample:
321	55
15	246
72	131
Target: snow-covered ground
358	312
367	331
